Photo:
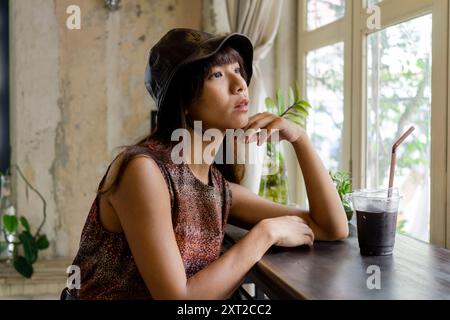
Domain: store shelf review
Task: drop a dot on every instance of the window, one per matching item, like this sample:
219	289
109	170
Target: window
398	96
368	85
324	52
373	2
325	91
322	12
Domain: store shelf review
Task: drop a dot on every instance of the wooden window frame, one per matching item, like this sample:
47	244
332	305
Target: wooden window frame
352	30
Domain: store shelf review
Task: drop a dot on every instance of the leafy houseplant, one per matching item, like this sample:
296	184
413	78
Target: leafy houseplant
343	185
23	244
273	185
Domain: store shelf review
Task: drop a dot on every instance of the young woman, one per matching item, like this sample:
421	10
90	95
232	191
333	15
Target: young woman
156	227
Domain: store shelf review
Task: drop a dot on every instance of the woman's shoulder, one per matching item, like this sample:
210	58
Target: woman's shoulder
154	151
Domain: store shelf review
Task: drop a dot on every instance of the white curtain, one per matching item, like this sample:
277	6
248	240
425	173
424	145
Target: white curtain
259	20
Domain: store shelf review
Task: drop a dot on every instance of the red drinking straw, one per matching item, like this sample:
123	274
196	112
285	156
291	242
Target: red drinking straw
393	158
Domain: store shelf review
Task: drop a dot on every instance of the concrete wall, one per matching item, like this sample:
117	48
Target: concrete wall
78	94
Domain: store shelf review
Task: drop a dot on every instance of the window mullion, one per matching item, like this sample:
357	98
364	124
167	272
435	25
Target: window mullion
439	181
348	80
358	113
324	36
396	11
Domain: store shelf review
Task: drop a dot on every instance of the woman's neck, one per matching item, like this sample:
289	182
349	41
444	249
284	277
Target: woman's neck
198	160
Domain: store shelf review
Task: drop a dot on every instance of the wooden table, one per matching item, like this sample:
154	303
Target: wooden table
336	270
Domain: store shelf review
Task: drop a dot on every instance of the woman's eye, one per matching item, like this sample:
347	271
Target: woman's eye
218	74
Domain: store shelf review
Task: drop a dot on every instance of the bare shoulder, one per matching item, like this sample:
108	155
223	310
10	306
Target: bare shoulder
135	182
142	203
141	175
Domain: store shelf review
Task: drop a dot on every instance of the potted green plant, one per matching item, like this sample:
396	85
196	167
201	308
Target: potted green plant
343	185
18	243
273	185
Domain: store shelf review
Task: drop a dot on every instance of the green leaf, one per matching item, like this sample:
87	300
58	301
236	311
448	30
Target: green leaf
304	103
297	91
25	223
42	242
10	223
23	267
295	118
294	115
291	96
300	109
29	246
347	187
347	206
420	63
3	246
280	101
270	104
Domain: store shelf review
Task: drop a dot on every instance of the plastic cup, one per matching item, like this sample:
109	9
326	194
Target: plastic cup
376	219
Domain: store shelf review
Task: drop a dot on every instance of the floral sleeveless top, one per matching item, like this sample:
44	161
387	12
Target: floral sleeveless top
199	216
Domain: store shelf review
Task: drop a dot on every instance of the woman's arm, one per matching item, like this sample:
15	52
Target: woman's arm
326	215
143	207
325	206
248	210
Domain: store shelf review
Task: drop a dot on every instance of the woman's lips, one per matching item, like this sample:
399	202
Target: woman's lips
242	107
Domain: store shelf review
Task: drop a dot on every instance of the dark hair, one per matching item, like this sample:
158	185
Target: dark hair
185	90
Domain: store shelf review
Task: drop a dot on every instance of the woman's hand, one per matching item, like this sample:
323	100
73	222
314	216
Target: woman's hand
269	124
288	231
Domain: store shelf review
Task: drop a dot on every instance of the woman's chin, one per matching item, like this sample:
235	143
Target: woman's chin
239	122
233	122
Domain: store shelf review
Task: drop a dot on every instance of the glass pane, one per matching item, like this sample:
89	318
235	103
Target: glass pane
325	92
322	12
372	2
399	95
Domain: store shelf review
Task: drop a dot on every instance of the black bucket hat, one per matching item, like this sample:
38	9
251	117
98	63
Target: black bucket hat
182	46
